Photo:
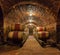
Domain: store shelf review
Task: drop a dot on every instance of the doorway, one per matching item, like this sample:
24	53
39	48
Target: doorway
31	28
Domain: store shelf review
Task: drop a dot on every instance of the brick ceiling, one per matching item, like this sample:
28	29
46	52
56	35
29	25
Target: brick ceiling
54	5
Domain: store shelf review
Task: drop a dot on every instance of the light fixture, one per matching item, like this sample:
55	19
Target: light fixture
30	20
30	24
30	13
37	28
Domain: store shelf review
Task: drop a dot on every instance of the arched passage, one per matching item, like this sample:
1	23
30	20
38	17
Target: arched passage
21	13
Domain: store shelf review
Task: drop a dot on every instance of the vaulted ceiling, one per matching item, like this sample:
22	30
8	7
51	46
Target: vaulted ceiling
23	13
54	5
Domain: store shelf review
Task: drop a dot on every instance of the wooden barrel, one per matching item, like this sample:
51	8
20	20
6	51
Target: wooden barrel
40	28
43	34
15	37
17	27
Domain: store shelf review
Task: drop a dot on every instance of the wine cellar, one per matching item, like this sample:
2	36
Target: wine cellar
30	27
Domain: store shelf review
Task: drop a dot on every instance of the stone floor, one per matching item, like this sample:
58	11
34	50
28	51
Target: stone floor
31	47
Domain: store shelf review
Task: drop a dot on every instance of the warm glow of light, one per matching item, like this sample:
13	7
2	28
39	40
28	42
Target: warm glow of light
30	20
30	24
30	14
38	28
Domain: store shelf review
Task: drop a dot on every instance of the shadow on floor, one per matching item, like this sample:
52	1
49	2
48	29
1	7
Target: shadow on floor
6	48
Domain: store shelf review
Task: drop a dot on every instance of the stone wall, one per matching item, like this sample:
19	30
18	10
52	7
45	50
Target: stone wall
58	26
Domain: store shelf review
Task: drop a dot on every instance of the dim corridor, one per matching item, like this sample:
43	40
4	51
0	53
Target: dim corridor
32	47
